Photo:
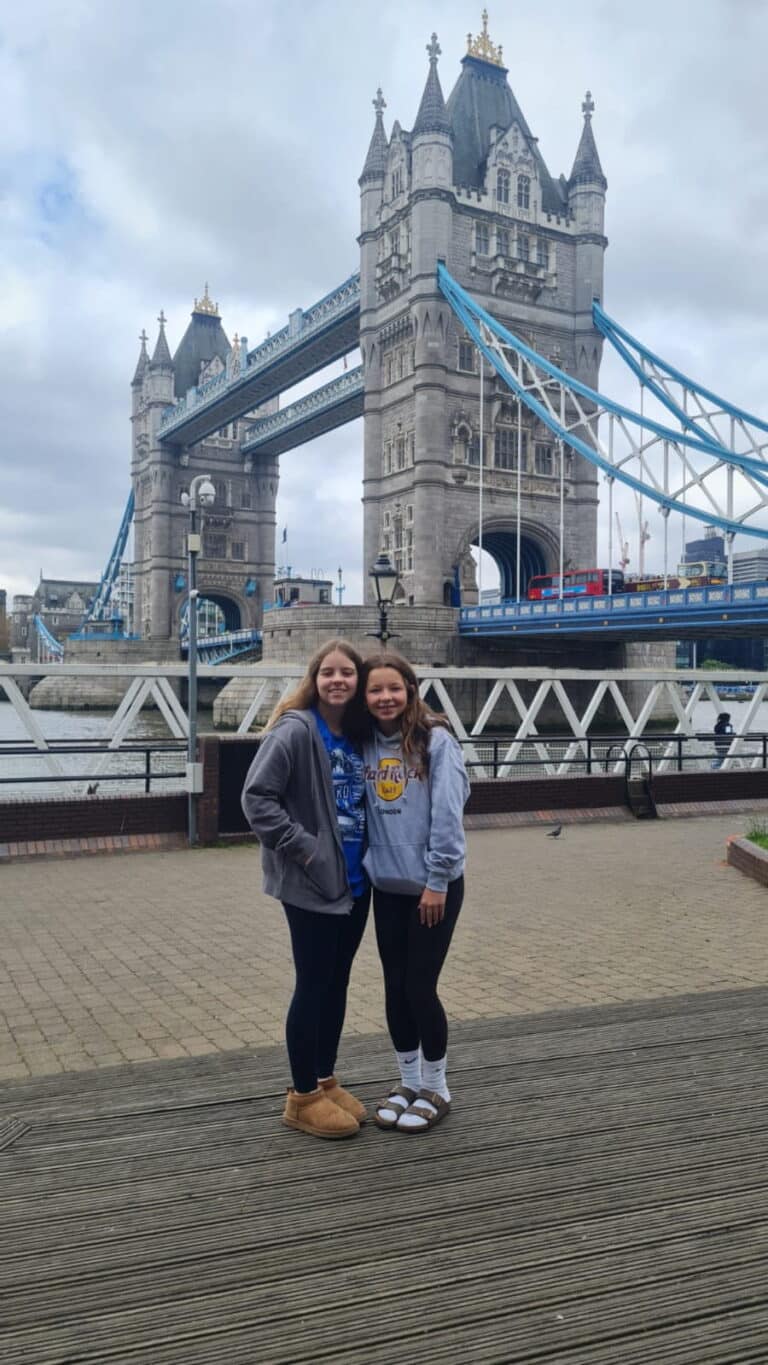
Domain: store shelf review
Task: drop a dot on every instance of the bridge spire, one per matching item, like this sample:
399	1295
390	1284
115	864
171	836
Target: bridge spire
161	356
481	47
432	116
143	361
376	160
586	166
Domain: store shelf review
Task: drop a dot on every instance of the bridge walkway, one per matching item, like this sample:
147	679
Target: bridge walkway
599	1196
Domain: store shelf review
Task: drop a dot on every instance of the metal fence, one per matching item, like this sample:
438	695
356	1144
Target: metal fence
94	767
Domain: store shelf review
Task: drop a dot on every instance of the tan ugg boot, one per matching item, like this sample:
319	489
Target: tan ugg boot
315	1113
342	1097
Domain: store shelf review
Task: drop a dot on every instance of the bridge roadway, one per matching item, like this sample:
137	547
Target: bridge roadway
599	1193
324	410
675	614
311	340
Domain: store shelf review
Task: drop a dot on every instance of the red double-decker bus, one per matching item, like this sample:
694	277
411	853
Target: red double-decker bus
576	583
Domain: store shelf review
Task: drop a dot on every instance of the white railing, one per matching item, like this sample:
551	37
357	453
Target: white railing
513	706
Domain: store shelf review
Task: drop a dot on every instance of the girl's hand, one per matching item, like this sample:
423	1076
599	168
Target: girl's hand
431	907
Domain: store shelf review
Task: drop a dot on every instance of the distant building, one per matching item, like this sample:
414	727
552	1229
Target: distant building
749	564
303	592
60	603
4	634
121	600
711	546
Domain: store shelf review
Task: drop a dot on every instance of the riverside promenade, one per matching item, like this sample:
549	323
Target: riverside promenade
598	1196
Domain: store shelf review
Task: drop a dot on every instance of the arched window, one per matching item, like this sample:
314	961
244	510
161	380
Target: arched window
523	191
221	492
502	187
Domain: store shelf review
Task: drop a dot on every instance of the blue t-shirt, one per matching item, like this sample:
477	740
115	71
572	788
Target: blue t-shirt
348	774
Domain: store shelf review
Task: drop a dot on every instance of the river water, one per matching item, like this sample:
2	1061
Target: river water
87	726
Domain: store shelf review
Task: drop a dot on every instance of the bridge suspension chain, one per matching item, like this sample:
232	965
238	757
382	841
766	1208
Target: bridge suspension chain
689	471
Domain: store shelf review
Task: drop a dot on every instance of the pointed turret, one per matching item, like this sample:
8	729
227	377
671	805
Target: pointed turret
432	116
586	167
204	338
161	356
143	361
376	160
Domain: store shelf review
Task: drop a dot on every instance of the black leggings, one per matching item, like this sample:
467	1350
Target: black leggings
412	956
324	947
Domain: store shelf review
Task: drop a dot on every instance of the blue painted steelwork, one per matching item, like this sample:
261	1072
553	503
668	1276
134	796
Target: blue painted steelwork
624	343
477	320
312	338
98	609
217	649
308	417
49	642
673	612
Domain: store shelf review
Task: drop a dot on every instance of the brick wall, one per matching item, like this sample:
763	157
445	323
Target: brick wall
749	858
92	817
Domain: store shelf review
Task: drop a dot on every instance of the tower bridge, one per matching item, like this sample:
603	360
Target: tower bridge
478	312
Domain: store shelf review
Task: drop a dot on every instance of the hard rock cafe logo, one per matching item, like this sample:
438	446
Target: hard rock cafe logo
391	779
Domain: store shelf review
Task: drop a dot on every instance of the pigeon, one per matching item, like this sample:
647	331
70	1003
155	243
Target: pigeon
555	833
92	789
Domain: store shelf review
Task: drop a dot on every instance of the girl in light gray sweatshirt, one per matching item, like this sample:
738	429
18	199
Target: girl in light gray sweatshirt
416	789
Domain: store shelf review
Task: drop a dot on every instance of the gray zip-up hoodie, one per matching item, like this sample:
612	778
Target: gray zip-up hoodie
415	826
289	803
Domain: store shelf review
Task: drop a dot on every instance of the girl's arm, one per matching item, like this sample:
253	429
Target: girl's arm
448	792
262	800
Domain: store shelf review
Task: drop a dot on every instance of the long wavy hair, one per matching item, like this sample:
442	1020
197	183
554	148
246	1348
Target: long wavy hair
304	697
417	719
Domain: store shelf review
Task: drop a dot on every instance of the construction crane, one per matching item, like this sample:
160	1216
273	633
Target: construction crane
643	534
623	546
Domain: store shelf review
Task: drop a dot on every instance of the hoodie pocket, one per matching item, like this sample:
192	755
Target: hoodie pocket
324	870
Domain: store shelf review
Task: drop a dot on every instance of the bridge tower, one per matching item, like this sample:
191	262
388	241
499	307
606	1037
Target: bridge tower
236	568
469	186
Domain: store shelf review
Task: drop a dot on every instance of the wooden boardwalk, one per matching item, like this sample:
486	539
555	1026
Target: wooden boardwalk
599	1196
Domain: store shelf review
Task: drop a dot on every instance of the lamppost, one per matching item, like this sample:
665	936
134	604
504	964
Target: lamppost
201	494
385	580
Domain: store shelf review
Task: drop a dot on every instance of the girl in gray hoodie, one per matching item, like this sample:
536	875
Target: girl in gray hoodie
415	790
304	798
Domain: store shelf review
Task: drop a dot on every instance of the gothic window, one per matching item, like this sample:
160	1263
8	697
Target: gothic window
409	512
502	241
238	549
388	368
482	240
523	247
542	252
544	460
387	519
523	191
214	545
466	355
385	541
245	498
409	550
221	492
412	447
400	452
394	242
502	186
400	363
397	182
505	448
387	461
473	450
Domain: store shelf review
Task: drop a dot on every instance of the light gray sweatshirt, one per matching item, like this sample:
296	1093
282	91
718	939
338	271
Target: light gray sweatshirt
415	826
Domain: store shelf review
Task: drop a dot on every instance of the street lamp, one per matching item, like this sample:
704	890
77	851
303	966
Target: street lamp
385	580
201	494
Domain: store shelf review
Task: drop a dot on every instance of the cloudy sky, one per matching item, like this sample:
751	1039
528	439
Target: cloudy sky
148	147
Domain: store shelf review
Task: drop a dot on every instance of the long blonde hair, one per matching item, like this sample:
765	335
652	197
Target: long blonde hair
417	719
304	697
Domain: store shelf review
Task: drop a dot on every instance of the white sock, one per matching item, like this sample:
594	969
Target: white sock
409	1064
433	1077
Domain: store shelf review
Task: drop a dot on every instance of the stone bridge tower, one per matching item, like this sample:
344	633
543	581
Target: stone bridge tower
236	568
468	185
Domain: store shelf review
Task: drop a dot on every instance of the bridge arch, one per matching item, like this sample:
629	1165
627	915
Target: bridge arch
218	611
538	550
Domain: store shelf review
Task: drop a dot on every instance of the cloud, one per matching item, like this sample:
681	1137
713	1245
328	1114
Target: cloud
147	148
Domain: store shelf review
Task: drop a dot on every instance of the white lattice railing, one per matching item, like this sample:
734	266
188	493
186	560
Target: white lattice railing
504	729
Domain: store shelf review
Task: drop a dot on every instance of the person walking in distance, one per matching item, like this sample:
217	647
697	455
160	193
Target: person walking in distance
416	789
723	733
304	798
